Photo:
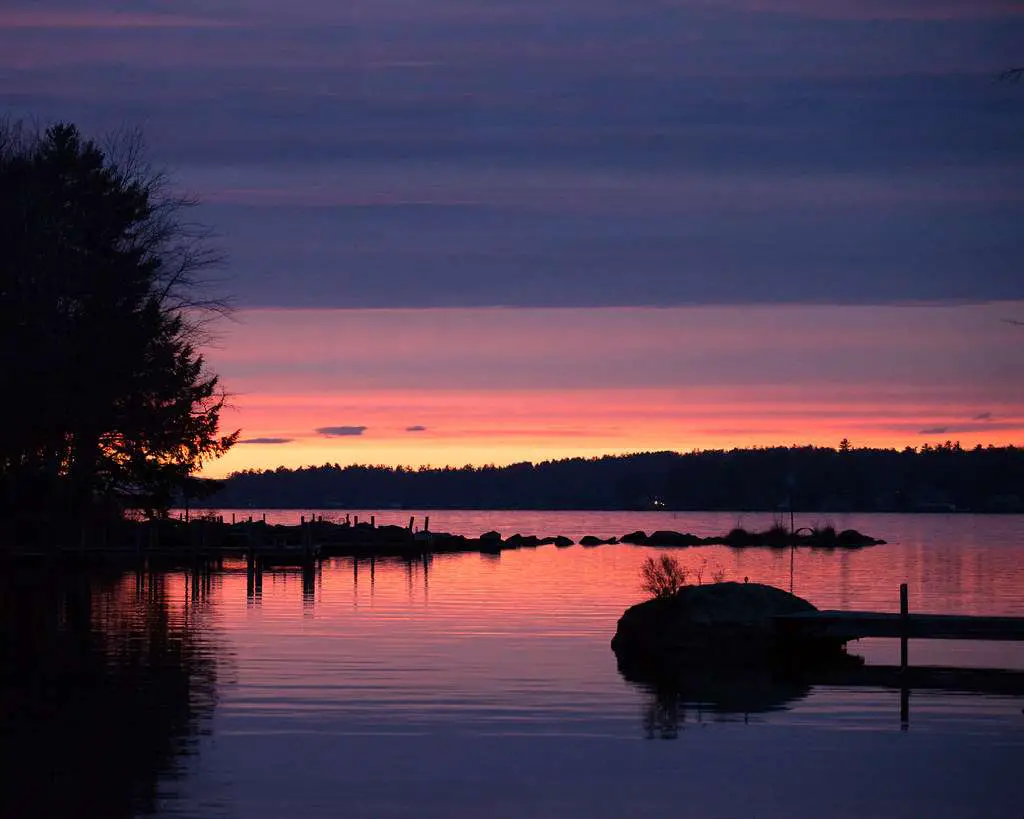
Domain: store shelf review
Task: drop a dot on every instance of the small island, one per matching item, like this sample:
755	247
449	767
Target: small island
724	625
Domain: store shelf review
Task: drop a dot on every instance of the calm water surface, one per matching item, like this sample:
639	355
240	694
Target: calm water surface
469	685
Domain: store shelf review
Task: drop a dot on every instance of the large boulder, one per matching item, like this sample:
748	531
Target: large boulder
556	540
387	534
666	537
728	624
591	540
852	539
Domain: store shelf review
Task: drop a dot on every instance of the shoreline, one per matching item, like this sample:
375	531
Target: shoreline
205	540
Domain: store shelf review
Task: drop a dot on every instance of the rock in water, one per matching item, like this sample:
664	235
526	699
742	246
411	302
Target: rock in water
717	624
591	540
668	538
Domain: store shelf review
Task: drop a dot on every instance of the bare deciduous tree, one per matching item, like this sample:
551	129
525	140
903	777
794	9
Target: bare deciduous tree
662	576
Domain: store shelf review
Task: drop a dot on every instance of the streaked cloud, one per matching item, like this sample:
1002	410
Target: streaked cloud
416	428
888	10
566	152
55	18
266	440
340	432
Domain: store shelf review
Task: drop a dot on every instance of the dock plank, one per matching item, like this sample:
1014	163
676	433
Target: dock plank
854	625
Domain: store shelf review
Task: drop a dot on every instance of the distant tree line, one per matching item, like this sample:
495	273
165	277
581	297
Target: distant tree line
931	478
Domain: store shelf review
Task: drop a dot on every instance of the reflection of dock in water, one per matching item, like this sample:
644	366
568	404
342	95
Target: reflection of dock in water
746	691
311	572
987	681
990	681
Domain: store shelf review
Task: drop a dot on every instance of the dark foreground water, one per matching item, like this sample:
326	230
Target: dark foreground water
484	686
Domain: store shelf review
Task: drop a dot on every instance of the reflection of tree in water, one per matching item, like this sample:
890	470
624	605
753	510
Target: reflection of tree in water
663	714
103	686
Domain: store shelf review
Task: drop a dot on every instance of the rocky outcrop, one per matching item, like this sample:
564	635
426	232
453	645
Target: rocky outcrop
591	540
518	541
668	538
729	624
560	541
775	537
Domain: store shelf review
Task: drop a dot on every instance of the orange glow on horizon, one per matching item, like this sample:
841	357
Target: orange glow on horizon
487	386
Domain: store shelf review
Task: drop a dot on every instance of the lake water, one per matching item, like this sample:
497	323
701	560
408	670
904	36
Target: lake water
469	685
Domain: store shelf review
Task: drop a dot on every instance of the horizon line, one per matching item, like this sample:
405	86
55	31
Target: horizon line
619	456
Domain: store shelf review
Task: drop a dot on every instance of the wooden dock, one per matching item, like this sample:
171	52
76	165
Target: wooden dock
853	625
843	626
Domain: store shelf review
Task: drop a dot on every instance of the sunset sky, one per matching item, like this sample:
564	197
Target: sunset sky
487	231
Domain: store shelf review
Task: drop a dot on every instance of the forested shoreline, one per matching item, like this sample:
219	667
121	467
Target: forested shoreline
941	478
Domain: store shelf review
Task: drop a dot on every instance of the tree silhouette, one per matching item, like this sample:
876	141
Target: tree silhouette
100	314
982	479
662	576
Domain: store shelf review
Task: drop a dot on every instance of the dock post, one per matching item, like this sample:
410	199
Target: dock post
904	625
412	520
426	523
373	521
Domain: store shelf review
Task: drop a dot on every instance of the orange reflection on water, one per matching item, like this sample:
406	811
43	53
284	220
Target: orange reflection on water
953	564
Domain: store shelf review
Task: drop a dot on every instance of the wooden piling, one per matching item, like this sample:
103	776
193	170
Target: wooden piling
412	520
426	523
904	625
